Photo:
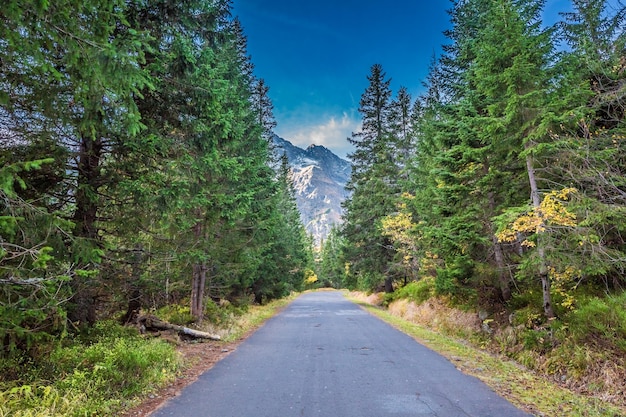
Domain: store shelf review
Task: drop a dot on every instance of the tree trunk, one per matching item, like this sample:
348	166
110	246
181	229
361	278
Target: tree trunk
503	278
388	285
197	291
83	303
154	323
543	266
134	300
198	281
86	212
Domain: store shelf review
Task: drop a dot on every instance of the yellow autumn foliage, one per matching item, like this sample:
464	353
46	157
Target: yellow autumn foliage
551	212
560	280
398	227
310	277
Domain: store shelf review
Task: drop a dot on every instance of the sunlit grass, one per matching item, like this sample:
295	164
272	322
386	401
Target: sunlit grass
255	317
100	376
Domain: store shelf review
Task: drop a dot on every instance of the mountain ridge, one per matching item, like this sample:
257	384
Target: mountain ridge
319	179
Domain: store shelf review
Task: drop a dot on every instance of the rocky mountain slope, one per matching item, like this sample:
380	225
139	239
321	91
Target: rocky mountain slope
319	178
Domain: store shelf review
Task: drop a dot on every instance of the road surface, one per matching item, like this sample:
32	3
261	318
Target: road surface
324	356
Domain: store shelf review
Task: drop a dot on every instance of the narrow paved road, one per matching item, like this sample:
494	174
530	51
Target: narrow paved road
324	356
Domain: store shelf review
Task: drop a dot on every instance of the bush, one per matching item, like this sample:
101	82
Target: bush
601	322
416	291
224	314
449	280
538	340
370	281
106	330
176	314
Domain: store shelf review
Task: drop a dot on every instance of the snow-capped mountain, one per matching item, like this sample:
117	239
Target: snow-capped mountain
319	178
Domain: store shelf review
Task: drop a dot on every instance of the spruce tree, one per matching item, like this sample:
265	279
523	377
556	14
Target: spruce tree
263	108
373	185
402	118
332	266
217	162
510	71
287	249
589	123
70	84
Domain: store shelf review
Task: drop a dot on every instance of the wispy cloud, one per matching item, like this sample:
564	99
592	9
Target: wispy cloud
332	133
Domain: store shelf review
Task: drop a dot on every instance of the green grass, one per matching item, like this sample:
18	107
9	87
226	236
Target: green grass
522	387
97	375
108	370
255	316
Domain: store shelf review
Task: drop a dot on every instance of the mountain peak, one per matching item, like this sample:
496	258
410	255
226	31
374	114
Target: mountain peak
313	147
319	178
320	150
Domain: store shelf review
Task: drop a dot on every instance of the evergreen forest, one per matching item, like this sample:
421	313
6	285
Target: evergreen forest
507	175
502	188
135	168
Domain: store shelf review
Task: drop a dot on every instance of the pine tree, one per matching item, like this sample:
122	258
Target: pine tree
70	84
33	271
589	124
471	135
402	118
287	248
511	72
263	108
201	111
449	208
373	185
332	266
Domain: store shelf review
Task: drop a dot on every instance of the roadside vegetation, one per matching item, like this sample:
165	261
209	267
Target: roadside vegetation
112	368
96	374
491	207
565	373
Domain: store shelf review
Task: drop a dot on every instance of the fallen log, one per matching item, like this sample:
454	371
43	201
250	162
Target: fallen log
153	323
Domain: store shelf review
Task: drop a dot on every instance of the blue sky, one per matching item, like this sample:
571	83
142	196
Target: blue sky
315	56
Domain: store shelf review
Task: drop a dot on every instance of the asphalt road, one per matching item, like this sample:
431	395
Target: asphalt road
324	356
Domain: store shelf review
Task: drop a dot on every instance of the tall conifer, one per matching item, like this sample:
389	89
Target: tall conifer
373	185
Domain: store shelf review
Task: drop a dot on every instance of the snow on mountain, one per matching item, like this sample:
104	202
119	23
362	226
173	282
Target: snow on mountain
319	178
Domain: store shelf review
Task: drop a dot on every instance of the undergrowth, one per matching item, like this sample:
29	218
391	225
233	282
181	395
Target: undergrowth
584	349
255	316
110	367
96	374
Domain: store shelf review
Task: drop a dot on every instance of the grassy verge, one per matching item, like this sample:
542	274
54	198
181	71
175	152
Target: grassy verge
105	372
98	374
522	387
255	317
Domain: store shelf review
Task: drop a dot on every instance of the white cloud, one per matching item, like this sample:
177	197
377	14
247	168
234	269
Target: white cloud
332	134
